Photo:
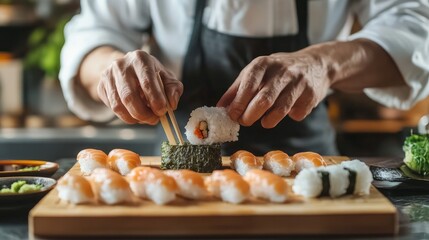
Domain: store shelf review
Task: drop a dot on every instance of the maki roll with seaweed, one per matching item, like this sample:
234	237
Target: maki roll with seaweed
198	158
350	177
206	129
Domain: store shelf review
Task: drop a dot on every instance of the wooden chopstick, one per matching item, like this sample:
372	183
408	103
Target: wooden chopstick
166	125
167	129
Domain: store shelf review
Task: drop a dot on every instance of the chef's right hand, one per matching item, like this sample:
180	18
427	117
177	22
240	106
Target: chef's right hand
131	87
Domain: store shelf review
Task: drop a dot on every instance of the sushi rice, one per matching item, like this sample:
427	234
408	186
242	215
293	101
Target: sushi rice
220	127
349	177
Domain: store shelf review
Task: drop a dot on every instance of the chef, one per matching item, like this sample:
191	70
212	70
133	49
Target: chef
270	63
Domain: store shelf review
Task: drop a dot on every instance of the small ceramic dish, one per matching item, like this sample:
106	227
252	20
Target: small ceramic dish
13	199
10	168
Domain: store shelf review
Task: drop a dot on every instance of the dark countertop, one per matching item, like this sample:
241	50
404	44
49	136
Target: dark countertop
411	201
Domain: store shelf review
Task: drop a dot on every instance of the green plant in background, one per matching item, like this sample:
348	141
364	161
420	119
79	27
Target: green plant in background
45	49
416	148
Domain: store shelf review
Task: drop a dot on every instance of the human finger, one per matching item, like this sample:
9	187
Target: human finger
283	104
249	81
149	81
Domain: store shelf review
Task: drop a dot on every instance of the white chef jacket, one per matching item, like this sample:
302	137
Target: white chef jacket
400	27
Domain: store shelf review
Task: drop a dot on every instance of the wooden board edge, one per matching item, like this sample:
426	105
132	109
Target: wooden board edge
368	224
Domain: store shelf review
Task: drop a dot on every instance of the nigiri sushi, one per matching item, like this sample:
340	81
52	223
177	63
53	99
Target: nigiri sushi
307	160
278	163
242	161
209	125
228	185
123	161
110	187
349	177
190	183
90	159
266	185
75	189
153	184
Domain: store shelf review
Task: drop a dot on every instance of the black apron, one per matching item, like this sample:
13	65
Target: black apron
212	63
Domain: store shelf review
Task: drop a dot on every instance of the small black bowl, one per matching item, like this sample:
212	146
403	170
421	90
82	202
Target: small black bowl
10	200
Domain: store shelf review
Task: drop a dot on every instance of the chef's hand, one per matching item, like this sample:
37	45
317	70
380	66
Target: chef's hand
274	86
292	84
131	87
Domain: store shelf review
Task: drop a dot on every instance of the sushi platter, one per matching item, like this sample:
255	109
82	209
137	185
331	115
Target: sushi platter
347	215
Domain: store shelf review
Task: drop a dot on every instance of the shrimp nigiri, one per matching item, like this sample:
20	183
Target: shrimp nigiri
278	163
90	159
153	184
110	187
190	183
75	189
227	185
307	160
123	161
242	161
266	185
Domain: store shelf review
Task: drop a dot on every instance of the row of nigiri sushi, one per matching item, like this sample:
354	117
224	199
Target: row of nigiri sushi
161	187
118	160
105	185
277	162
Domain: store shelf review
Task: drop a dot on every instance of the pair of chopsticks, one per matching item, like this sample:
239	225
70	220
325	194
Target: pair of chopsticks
166	124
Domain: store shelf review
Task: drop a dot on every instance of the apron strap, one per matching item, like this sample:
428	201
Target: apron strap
193	58
302	13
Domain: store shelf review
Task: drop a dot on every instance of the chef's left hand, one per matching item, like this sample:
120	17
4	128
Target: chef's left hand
274	86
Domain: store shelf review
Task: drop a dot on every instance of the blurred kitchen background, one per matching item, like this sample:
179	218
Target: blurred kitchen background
36	124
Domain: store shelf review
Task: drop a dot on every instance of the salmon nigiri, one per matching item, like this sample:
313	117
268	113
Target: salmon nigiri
307	160
110	187
123	161
279	163
242	161
190	183
227	185
90	159
266	185
153	184
75	189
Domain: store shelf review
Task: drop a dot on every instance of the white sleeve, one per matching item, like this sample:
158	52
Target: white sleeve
401	28
119	24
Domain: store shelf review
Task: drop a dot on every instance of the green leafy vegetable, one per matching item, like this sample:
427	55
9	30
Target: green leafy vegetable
416	148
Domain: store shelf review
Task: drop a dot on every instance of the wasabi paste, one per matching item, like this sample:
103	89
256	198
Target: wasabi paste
21	187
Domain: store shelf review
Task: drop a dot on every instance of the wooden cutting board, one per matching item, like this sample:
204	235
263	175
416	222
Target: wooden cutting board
349	215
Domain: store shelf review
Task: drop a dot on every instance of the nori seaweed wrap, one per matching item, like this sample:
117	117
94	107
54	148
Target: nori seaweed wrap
199	158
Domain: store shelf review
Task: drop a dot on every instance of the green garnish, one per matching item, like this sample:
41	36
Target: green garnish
21	187
33	168
416	148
